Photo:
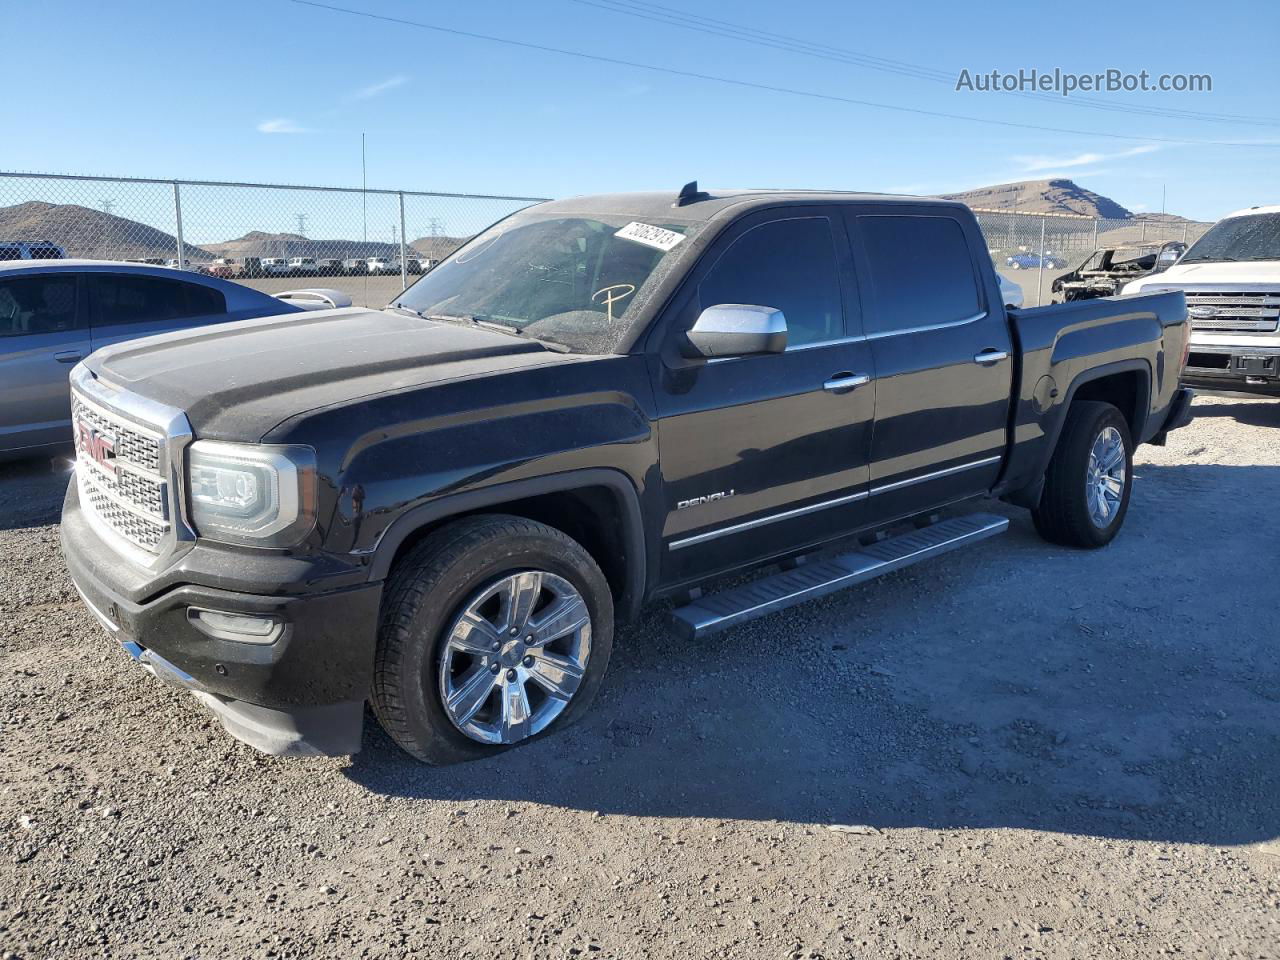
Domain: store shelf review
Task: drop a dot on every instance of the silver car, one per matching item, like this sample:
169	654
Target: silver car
53	313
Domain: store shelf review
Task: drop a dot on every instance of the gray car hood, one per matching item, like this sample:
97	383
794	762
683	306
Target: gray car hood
238	380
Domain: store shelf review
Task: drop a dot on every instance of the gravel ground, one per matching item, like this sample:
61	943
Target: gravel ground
1035	752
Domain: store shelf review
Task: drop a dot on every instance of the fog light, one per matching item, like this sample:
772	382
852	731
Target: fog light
238	627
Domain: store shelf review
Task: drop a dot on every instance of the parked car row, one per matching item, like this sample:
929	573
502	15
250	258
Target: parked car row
239	268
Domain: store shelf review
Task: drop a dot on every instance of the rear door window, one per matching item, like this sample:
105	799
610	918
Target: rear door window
921	271
37	304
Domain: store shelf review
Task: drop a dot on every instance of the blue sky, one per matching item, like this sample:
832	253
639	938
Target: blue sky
274	91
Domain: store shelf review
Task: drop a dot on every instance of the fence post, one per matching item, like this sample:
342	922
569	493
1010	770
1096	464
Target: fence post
1040	275
1095	233
404	263
1144	231
177	217
1184	232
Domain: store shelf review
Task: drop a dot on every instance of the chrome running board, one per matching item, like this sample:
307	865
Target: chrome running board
719	611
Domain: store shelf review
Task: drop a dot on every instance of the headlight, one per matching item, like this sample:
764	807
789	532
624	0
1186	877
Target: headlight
251	493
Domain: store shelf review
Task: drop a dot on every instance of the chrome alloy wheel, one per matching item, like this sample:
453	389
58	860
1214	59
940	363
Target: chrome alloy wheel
1106	477
514	657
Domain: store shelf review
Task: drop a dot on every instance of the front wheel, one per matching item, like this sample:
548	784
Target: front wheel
494	630
1089	480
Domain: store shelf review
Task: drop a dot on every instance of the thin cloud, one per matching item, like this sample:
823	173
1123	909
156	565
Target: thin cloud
375	89
1035	163
281	125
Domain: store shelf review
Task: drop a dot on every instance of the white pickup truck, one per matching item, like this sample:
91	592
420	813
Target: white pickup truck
1231	278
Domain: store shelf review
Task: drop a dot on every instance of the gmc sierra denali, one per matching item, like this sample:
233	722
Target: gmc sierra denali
444	507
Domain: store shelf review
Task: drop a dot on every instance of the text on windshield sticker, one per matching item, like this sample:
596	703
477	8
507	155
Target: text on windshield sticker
650	236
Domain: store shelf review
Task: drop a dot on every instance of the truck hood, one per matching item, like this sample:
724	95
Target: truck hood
1211	274
236	381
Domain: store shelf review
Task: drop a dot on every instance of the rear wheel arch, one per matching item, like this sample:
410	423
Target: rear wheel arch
1127	389
1125	384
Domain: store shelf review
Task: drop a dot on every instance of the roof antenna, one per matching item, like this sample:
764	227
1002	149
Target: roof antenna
690	193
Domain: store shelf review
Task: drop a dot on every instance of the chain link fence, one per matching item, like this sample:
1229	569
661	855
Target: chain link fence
1033	250
372	243
368	243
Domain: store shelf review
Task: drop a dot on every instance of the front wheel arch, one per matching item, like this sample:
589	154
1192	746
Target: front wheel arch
626	564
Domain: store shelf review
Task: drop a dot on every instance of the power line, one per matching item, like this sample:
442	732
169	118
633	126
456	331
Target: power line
723	28
752	85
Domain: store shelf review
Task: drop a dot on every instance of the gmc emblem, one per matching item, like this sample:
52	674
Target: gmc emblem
97	447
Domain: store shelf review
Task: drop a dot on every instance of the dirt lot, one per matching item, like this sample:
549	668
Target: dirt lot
374	292
1040	753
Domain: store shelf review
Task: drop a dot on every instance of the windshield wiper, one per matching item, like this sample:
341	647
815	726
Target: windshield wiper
1209	260
480	321
513	331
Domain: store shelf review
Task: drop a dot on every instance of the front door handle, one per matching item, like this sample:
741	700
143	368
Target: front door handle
841	382
987	357
69	356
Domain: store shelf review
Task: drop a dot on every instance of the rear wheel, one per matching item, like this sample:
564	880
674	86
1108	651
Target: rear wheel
1089	480
495	630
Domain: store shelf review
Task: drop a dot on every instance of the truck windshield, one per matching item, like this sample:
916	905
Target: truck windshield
574	280
1254	237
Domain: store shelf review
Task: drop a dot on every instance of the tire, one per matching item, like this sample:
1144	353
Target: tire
497	569
1073	510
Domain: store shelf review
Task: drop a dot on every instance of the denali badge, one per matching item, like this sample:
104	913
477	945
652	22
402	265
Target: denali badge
699	501
97	447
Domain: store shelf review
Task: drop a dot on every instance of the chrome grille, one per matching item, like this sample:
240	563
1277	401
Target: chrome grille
1237	311
138	530
132	446
125	488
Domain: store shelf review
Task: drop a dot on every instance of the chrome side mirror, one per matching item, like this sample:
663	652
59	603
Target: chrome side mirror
737	330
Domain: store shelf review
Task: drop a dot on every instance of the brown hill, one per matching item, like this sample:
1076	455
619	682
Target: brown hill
85	232
258	243
437	248
1059	196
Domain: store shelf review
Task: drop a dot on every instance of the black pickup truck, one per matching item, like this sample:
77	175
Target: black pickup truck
444	507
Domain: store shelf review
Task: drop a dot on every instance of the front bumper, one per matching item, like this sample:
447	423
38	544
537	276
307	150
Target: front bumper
1234	368
303	693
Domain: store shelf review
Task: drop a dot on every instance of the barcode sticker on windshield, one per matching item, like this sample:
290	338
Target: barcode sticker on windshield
650	236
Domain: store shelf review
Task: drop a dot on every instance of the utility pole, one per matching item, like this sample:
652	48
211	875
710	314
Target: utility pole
364	201
1163	189
108	204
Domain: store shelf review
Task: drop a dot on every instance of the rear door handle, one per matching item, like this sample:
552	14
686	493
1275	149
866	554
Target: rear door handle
841	382
988	357
69	356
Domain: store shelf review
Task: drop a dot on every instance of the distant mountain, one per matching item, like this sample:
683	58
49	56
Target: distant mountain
258	243
85	232
437	248
1051	196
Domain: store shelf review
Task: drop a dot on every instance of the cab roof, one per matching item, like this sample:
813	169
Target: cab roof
710	205
1254	211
